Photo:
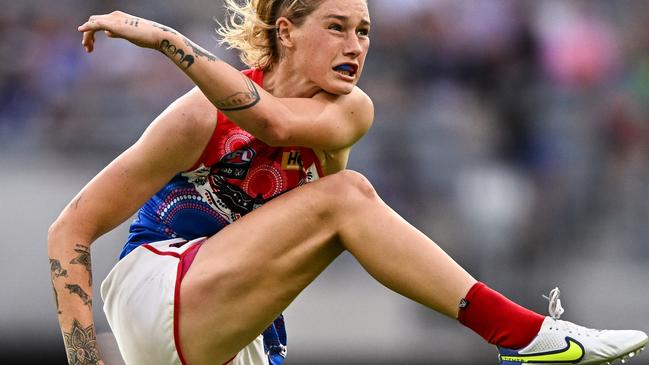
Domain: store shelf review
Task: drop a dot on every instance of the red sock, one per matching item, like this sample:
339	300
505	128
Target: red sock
497	319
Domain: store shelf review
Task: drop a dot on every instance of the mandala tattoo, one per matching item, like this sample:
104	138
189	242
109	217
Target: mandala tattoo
81	345
240	100
83	258
76	289
57	270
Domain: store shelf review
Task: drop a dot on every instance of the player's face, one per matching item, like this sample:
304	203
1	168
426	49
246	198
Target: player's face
331	45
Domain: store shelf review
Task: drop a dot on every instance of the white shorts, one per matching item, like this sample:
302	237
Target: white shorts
141	301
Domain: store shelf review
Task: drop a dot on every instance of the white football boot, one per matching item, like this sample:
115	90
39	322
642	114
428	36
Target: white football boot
562	342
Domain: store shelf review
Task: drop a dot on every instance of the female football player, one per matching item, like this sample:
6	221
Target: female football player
242	199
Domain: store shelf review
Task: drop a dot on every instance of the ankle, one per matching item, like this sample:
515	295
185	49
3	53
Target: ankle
497	319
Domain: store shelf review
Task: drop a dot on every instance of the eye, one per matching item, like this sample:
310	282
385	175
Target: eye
336	27
364	32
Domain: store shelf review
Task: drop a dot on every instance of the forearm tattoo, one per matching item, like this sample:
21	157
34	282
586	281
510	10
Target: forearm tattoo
76	289
163	27
57	271
56	299
81	345
176	54
240	100
83	258
183	58
199	52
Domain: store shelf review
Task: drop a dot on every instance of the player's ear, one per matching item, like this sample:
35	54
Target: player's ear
284	29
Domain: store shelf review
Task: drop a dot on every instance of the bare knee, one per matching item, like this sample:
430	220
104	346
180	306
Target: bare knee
355	184
351	189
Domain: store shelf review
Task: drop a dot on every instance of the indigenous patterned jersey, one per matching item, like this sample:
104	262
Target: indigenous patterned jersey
236	174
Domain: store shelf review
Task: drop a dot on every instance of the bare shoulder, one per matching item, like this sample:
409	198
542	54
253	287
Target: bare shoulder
358	100
357	107
182	131
192	115
363	105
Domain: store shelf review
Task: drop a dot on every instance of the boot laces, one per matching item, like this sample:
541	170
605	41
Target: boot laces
556	310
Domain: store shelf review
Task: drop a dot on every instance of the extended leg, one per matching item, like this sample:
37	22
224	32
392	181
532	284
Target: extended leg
244	276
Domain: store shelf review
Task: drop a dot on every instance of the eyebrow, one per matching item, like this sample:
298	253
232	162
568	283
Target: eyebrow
345	18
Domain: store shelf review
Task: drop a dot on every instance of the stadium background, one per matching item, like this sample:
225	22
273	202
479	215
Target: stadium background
514	133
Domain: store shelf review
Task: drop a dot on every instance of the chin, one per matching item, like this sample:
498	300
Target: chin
339	88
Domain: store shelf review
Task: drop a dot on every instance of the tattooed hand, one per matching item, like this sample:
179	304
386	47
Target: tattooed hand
117	24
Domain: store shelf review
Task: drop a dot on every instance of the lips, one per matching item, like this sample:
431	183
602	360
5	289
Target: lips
346	69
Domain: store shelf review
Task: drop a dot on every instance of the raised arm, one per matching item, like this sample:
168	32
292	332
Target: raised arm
325	122
172	143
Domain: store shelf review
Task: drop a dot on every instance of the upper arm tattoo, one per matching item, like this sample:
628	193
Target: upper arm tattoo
241	99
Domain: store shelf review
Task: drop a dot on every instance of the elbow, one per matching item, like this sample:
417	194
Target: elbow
65	230
56	230
275	133
277	137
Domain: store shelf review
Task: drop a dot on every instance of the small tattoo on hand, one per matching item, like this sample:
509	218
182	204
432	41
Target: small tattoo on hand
134	22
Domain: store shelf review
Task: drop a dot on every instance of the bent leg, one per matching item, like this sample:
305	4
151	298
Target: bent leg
245	275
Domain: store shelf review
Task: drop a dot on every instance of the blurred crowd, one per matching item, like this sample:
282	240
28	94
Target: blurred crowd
503	127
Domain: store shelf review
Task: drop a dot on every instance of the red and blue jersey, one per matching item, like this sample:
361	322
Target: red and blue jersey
236	174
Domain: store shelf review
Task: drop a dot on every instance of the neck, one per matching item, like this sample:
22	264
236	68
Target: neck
283	82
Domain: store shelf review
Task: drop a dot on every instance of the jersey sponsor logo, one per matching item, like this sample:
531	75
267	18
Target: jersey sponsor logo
571	354
292	160
235	164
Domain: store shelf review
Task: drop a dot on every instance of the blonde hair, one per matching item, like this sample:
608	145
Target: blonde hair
250	27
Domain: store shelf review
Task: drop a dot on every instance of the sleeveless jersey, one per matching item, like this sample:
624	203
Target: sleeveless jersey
236	174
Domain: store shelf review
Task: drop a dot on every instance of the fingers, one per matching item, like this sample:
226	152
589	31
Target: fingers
88	40
94	24
117	25
88	29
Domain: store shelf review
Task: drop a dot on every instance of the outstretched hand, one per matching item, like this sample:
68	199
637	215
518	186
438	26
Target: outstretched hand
141	32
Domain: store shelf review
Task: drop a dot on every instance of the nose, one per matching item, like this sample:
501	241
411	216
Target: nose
353	46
